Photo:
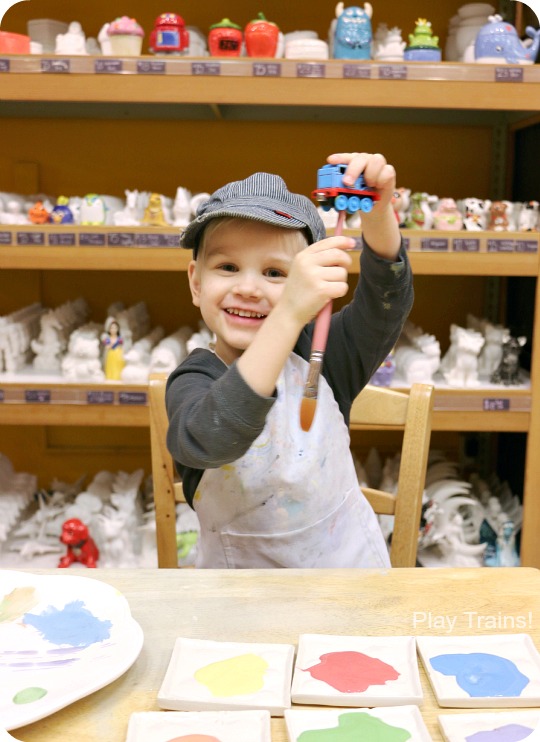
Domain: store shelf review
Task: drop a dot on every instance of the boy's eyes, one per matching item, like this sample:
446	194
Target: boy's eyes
268	272
275	273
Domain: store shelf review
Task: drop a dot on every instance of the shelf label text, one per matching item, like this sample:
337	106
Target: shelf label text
205	68
4	65
467	244
56	65
132	398
30	238
508	74
310	69
433	243
495	404
37	395
62	239
151	67
99	397
266	69
92	239
357	71
393	72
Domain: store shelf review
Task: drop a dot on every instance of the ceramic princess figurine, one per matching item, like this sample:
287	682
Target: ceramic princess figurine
114	355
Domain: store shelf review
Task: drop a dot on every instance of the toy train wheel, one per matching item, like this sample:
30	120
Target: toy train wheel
353	205
340	204
366	204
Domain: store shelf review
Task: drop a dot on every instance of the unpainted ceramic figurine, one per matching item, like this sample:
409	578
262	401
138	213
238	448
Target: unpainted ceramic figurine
128	216
460	364
73	42
388	45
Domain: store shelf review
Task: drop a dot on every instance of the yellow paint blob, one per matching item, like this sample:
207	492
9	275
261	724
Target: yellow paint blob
237	676
17	603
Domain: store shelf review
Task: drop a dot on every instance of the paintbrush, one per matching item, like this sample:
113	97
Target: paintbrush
318	346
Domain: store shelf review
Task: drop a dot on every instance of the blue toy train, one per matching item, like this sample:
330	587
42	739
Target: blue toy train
331	193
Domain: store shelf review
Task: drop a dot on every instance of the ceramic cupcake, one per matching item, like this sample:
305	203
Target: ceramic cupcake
126	36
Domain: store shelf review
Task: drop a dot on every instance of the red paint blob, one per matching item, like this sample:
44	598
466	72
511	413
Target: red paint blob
352	672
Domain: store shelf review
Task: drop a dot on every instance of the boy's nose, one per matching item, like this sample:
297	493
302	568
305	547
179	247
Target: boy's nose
247	285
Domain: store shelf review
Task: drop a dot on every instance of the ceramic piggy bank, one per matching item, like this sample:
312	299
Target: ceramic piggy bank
498	41
352	32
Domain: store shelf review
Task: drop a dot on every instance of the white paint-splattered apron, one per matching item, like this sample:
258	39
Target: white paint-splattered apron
293	499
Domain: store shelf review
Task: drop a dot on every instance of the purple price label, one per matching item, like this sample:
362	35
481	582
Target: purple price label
62	239
205	68
157	240
266	69
5	238
30	238
121	239
357	71
309	69
133	398
1	395
495	404
508	74
151	67
108	66
393	72
406	242
500	245
99	397
431	243
55	65
465	244
4	65
37	395
92	239
526	246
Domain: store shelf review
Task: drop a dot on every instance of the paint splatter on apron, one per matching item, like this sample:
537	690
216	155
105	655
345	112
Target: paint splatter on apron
293	499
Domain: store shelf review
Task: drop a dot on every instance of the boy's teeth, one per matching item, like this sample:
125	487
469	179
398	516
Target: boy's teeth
243	313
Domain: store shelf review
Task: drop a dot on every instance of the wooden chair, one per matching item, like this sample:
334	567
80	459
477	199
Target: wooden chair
375	407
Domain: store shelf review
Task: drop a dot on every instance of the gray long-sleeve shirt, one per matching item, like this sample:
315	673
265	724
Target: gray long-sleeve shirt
214	415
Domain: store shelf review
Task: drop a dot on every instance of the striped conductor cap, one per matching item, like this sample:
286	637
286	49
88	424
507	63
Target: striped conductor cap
263	198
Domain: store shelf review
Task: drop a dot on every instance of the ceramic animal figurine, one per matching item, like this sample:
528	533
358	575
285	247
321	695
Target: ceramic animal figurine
419	361
498	41
475	214
93	210
423	46
352	33
61	213
420	215
528	217
181	208
128	216
38	214
73	42
462	368
505	551
401	201
447	215
508	371
80	545
154	215
492	352
499	216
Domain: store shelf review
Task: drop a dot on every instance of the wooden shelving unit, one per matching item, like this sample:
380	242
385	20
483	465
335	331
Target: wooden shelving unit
190	89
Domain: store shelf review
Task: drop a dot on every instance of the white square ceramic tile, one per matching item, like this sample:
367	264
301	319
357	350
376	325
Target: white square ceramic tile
211	675
225	726
356	671
397	723
486	671
505	726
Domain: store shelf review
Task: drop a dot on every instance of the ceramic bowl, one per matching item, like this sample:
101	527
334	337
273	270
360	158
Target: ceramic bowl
306	49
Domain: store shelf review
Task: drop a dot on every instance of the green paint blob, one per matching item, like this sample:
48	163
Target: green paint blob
29	695
355	726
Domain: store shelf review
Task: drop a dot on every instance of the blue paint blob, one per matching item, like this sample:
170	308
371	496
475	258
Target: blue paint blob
482	675
73	625
506	733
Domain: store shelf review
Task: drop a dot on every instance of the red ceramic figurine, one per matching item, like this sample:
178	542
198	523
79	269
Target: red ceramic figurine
80	545
225	39
169	35
261	37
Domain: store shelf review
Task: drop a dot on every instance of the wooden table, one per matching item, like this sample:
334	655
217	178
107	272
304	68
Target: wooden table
277	606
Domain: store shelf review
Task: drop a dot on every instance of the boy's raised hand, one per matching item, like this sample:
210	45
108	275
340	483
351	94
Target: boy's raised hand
377	172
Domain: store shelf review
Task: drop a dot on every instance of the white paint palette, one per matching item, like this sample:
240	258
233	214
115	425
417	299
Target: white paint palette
490	671
211	675
222	726
356	671
507	726
398	723
63	637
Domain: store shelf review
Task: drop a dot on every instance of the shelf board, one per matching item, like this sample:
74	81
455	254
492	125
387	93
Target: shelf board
115	404
431	252
252	82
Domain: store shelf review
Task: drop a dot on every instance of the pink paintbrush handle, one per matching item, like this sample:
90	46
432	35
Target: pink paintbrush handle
322	323
322	326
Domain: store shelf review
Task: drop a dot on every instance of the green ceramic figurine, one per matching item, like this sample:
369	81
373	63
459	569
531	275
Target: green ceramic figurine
423	46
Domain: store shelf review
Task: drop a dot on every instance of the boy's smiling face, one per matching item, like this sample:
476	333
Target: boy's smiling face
238	278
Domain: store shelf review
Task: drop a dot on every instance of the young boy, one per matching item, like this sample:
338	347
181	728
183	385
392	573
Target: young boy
267	493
